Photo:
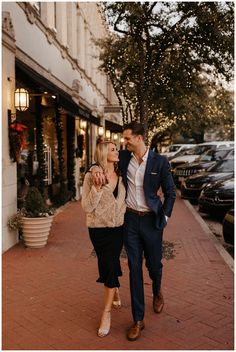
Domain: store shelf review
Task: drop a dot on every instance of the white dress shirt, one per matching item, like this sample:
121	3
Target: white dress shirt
135	192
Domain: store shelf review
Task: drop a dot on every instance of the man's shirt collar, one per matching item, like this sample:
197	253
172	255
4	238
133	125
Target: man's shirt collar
145	156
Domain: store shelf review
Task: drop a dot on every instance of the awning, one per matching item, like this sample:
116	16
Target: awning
113	127
33	79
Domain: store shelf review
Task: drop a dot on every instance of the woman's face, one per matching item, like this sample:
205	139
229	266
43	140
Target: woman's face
113	154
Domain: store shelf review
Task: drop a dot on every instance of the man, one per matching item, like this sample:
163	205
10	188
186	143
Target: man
144	172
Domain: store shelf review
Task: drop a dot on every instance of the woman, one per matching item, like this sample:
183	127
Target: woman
104	203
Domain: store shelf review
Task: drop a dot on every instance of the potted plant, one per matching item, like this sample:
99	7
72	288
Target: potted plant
35	219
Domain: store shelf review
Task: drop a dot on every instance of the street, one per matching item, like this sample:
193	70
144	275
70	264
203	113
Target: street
51	300
215	226
81	81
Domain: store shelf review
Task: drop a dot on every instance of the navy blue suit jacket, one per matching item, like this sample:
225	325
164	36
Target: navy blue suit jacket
157	174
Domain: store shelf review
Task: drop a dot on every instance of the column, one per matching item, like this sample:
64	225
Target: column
71	28
80	40
9	179
94	64
86	48
97	64
61	15
47	14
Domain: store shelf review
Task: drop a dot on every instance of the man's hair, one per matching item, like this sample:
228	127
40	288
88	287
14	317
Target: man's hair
136	128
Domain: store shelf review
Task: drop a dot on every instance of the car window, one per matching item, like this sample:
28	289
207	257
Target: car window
230	154
220	154
214	155
226	165
174	148
186	147
191	151
198	150
207	156
180	153
208	147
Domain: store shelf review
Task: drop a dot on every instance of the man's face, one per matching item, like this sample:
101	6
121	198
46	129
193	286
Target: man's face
131	140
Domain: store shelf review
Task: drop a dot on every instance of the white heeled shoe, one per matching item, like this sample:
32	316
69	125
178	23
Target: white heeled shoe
105	324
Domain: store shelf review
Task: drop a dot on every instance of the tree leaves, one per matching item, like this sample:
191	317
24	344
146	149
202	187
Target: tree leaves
167	57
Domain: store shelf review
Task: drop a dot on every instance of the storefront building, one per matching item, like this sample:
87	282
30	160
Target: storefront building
49	59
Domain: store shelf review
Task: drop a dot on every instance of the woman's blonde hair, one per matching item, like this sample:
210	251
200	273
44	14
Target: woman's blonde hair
100	154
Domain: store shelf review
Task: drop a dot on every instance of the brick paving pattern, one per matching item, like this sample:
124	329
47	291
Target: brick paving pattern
52	302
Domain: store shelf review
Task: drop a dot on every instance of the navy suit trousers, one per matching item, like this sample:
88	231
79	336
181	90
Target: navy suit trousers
141	238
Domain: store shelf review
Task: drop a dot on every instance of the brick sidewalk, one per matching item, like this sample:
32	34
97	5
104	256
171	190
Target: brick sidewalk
52	302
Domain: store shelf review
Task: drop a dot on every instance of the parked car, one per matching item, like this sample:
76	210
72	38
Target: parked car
192	186
194	153
173	149
209	158
180	153
228	227
218	198
230	154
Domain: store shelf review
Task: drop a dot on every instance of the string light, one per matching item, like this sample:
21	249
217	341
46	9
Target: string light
157	87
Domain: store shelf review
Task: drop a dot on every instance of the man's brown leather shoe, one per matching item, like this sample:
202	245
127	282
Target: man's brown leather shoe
135	331
158	303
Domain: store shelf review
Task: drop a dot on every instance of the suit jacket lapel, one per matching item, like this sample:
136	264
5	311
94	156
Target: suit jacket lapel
149	166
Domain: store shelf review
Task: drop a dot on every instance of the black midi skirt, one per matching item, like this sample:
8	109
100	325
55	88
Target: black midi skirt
108	243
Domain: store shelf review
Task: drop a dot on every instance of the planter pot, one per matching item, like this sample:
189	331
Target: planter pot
36	231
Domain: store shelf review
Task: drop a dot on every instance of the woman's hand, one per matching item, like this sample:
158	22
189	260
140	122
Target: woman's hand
98	177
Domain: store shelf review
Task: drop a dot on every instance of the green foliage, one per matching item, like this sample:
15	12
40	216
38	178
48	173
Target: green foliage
34	205
60	150
15	221
66	191
165	59
41	173
215	111
71	154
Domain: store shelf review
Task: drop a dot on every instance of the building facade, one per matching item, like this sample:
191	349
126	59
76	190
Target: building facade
50	58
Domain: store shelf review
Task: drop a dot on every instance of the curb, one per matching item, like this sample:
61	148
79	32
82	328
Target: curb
224	254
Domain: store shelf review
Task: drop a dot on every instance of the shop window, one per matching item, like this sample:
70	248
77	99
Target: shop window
50	151
28	164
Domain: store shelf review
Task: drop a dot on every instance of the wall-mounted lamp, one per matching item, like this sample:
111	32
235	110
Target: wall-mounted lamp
108	134
83	124
122	140
100	131
21	99
115	136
